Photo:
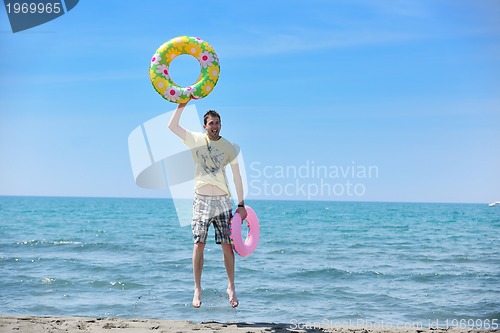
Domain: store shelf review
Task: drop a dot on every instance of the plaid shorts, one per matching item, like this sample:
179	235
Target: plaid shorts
208	210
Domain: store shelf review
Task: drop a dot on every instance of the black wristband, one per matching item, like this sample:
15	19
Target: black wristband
241	206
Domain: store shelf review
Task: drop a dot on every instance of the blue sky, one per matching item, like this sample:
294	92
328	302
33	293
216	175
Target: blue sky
408	88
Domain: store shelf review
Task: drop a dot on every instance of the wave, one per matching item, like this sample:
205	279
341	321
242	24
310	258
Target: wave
330	272
43	242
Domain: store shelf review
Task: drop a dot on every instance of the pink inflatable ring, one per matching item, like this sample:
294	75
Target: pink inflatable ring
245	248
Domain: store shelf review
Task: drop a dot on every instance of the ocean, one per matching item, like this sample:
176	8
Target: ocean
317	262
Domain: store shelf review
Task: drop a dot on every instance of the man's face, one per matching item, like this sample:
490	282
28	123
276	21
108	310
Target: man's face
213	127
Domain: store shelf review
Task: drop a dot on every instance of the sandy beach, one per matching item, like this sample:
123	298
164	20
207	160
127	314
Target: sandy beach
37	324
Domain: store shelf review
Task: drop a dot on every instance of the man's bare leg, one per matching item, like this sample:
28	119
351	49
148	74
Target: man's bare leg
227	249
197	270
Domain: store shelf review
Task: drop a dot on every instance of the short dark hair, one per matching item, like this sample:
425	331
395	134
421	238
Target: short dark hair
210	113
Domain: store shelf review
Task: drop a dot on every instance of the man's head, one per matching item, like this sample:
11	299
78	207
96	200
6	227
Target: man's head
212	124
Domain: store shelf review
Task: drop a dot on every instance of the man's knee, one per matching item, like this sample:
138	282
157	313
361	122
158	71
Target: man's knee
227	247
199	246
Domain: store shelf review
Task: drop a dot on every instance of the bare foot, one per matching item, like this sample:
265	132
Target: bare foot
233	301
197	297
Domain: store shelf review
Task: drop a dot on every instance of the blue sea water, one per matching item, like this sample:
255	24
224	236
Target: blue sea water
316	262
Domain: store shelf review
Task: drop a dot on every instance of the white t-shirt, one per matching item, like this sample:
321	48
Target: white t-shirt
210	159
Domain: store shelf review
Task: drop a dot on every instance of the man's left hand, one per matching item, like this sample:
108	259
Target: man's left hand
243	213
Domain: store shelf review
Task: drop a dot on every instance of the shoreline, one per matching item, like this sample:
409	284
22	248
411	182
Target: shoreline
56	324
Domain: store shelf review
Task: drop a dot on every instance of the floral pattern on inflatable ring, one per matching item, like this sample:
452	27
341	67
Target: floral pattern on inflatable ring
162	58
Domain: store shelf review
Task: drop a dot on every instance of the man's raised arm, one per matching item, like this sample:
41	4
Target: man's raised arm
174	126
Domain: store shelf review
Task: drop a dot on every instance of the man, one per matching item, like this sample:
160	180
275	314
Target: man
212	202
